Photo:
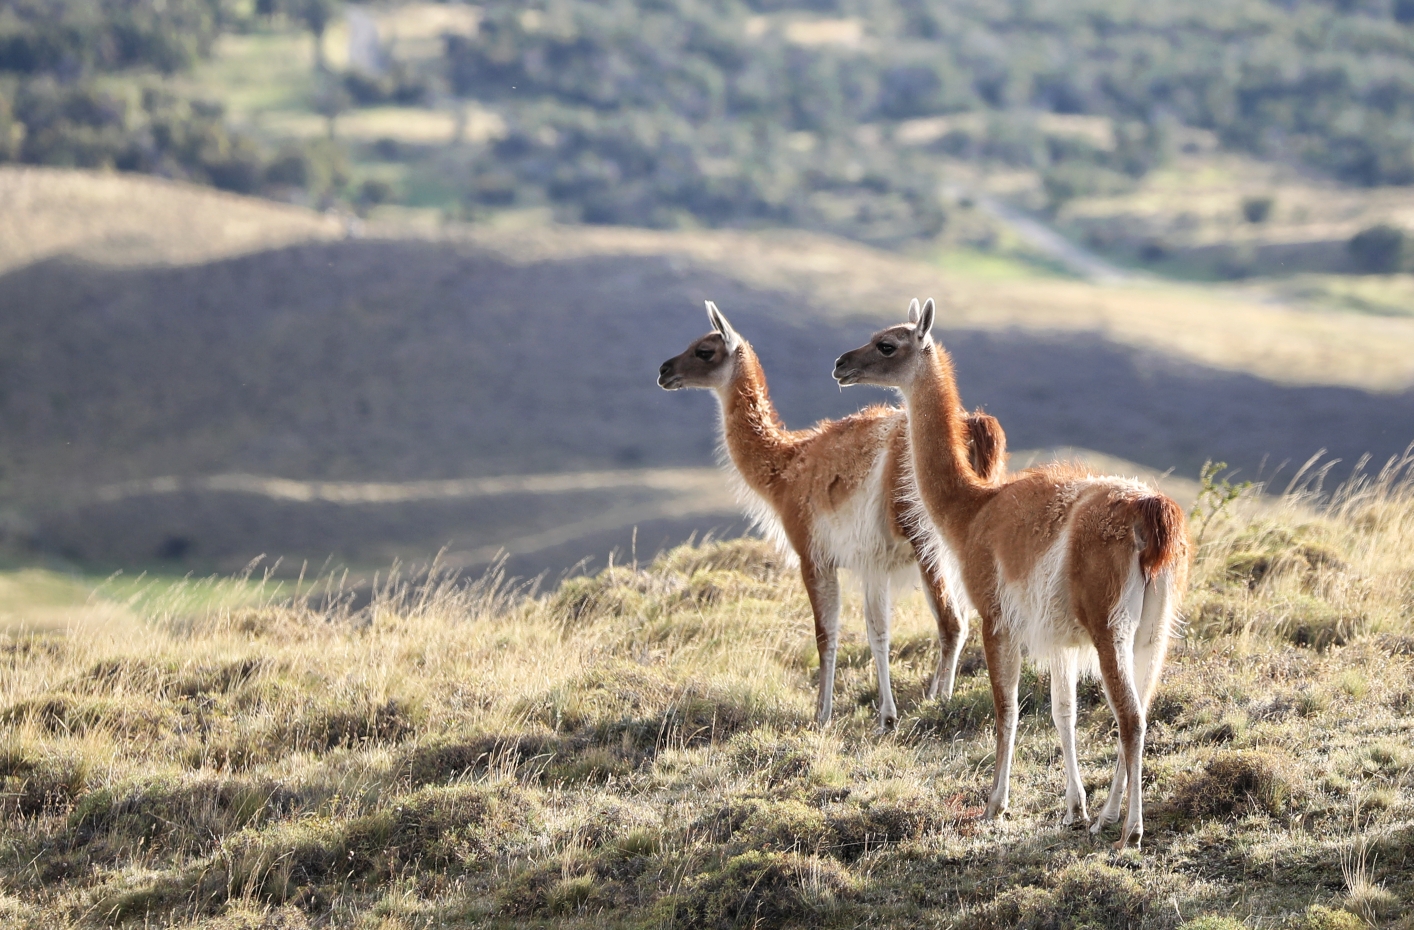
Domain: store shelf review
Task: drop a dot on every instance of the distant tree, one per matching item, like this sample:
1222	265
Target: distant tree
316	16
331	102
375	191
1257	209
1381	249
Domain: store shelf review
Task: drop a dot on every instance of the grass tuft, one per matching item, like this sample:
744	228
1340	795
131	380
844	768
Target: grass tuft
1086	894
1235	783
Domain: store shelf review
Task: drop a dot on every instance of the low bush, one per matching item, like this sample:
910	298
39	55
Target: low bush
1235	783
769	889
1087	894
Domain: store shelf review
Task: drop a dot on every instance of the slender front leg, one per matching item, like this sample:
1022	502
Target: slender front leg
876	625
822	585
1004	663
1064	672
952	634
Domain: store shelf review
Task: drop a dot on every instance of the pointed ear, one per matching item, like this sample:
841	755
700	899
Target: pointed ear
925	321
913	311
720	324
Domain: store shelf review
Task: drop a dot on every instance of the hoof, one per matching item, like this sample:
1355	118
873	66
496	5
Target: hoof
886	725
1070	820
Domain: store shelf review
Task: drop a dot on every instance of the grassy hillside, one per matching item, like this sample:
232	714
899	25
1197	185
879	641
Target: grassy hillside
157	380
634	749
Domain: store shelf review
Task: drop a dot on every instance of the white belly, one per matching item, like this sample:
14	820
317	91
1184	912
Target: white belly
1036	608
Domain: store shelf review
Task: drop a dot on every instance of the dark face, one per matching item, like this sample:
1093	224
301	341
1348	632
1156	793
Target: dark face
889	359
705	364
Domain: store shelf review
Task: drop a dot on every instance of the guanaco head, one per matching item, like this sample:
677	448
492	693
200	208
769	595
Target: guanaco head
893	356
709	362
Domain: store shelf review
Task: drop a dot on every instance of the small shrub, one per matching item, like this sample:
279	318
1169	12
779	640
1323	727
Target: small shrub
1318	624
242	917
1266	551
785	826
1323	918
444	761
451	829
1380	249
353	724
1213	923
857	828
1086	894
376	191
218	678
1257	209
592	765
642	709
1389	758
640	842
755	558
763	889
36	784
190	816
1312	703
968	713
1373	903
1353	683
1233	784
569	895
133	716
1231	728
775	758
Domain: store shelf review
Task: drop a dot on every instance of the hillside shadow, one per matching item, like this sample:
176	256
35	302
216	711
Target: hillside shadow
398	360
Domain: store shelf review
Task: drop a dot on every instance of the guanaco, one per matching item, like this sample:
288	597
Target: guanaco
1073	569
837	495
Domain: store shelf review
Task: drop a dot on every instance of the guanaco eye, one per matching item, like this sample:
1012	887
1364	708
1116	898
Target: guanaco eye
886	348
705	354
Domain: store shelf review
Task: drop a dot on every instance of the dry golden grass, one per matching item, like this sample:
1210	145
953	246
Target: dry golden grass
635	749
402	124
128	219
1197	200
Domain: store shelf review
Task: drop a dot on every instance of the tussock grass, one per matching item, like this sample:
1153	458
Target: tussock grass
635	749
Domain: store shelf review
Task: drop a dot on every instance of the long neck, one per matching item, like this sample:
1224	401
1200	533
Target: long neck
759	446
950	490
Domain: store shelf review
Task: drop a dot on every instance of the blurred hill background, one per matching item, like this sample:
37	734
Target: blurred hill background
321	280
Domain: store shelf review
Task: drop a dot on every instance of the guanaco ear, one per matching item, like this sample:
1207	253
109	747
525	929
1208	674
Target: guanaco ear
925	321
913	311
720	324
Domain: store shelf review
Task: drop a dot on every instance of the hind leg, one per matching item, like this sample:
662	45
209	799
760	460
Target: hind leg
1109	813
876	623
952	633
1117	666
1063	711
1004	664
